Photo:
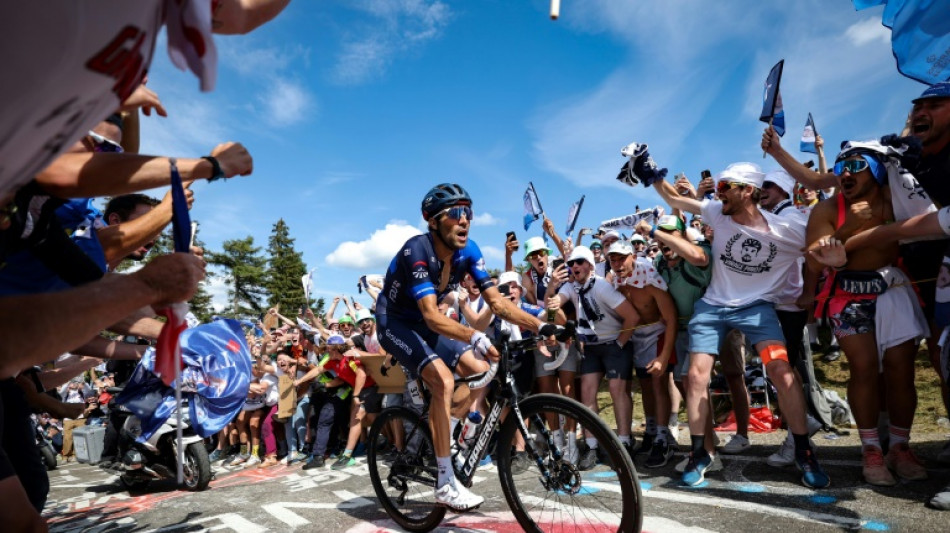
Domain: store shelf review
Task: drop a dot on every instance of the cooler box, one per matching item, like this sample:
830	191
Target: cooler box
87	442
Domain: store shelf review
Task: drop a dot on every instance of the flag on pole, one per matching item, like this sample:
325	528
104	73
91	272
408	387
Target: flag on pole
808	137
772	111
307	281
572	215
920	36
532	206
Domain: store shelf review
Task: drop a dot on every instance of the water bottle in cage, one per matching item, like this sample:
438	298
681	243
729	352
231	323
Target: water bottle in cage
469	430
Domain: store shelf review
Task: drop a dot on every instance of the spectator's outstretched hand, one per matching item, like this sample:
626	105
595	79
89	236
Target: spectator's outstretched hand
234	159
145	99
173	278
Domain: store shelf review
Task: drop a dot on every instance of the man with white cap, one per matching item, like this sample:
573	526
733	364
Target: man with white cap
653	342
639	245
777	190
605	322
753	251
607	240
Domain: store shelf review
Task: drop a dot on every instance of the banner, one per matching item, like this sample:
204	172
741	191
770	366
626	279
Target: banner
532	206
808	137
572	215
630	221
920	36
772	111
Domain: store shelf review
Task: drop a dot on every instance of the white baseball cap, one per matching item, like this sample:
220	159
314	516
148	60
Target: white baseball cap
620	247
582	252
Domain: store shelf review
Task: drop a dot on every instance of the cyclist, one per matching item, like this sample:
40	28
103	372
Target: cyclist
424	340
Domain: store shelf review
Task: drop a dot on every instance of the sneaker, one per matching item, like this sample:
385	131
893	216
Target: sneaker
873	468
268	462
485	460
660	454
344	461
941	500
812	474
240	459
902	460
695	471
315	462
457	498
645	446
253	461
588	460
216	455
785	456
833	354
520	462
298	457
737	444
285	460
715	466
359	450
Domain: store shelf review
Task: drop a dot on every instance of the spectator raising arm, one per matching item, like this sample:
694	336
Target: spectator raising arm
673	198
771	144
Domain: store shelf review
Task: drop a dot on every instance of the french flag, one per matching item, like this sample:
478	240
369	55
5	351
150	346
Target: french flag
168	361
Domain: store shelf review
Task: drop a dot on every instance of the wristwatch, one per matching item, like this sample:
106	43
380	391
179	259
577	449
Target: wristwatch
216	172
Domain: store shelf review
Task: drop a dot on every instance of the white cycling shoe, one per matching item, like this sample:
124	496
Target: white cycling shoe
458	498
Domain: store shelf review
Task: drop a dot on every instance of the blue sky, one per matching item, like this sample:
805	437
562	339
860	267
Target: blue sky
353	109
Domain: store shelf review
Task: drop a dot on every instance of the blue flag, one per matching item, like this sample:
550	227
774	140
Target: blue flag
573	213
181	220
215	380
532	206
772	100
920	36
808	137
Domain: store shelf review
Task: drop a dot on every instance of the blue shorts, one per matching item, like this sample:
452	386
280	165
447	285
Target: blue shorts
608	359
682	354
414	346
711	323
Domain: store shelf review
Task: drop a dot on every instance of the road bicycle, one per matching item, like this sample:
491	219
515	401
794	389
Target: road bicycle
553	493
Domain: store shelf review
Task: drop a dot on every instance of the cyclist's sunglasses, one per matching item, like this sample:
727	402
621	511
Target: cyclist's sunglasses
102	144
456	211
853	166
724	186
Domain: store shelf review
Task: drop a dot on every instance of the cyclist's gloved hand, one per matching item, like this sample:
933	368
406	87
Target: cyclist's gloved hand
481	344
568	332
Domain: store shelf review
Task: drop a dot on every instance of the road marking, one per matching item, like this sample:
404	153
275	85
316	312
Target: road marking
282	510
231	521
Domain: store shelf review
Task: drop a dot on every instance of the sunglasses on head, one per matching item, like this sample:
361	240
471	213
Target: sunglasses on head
456	211
102	144
724	186
853	166
573	262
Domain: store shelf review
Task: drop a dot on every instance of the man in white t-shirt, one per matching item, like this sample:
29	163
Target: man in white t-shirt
753	252
605	322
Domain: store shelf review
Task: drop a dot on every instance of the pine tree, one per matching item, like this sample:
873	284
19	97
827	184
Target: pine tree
202	304
284	272
245	271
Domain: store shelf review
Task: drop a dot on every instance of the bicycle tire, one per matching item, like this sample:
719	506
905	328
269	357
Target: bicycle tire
593	497
413	467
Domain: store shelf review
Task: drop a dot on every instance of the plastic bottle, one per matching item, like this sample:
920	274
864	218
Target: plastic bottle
469	429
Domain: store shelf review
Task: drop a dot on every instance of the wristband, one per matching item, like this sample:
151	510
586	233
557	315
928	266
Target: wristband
216	172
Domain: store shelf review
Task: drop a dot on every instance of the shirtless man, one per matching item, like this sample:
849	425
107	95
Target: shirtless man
653	343
873	310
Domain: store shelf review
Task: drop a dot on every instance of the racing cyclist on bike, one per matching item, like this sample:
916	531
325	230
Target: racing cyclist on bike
427	342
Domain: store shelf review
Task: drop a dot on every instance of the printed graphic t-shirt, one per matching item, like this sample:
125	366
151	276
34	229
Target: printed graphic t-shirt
749	264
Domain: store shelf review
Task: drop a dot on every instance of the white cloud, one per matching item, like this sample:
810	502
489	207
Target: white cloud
397	27
494	256
868	30
218	287
286	102
486	219
375	252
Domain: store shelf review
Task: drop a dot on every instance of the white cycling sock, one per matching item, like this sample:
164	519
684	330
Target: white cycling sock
591	443
446	473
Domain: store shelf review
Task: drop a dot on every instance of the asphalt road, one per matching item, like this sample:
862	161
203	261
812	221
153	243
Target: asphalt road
748	495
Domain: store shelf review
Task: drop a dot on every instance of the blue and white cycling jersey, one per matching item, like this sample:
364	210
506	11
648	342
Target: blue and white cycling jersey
415	273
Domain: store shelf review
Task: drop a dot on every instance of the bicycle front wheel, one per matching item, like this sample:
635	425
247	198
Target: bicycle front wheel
575	487
403	469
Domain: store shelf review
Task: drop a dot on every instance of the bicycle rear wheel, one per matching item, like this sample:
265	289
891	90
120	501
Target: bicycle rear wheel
560	496
403	470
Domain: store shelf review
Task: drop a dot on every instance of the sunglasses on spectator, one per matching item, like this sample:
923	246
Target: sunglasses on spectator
724	186
365	321
573	262
456	211
101	144
853	166
537	254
